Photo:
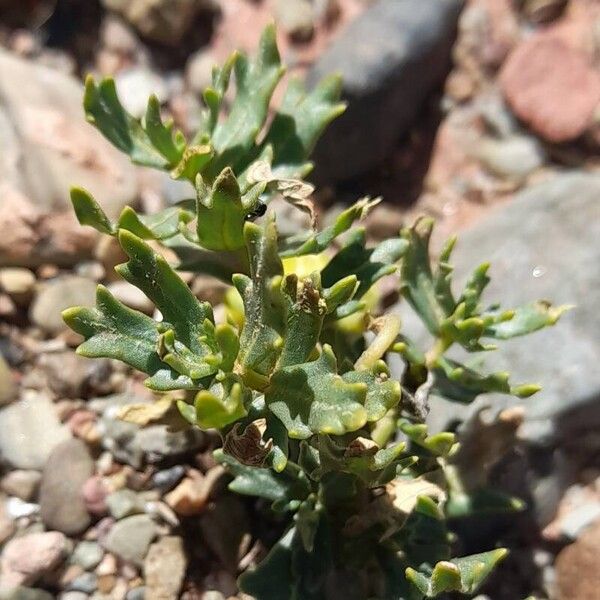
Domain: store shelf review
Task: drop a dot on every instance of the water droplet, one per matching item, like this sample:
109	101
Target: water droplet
539	271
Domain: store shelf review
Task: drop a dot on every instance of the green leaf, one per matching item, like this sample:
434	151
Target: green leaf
464	575
222	212
368	264
151	273
114	331
287	488
255	81
104	111
527	319
272	579
261	338
161	135
312	398
458	382
89	212
418	285
440	444
224	403
193	161
324	238
462	504
305	312
299	123
158	226
383	393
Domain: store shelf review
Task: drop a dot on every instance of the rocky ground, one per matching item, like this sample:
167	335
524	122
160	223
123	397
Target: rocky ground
485	114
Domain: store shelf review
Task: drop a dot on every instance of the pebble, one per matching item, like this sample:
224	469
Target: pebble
191	495
130	538
136	593
136	85
7	526
514	157
94	492
59	294
87	554
8	388
25	593
573	524
295	17
85	583
73	596
131	296
29	431
557	103
164	569
21	483
18	283
62	503
17	508
27	558
123	503
167	479
198	71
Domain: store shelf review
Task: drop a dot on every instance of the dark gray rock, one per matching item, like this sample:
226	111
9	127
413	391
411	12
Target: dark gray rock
61	500
544	244
391	58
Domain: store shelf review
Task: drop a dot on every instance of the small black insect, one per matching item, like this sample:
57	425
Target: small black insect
259	210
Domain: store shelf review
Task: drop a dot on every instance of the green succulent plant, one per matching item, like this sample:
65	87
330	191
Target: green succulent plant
311	418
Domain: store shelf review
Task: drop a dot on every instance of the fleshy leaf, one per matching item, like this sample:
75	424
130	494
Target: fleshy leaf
104	110
464	575
368	264
151	273
300	121
89	212
312	398
526	319
287	488
113	330
261	337
440	444
255	82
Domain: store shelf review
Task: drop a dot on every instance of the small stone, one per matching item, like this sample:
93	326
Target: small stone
21	483
86	583
164	569
557	103
69	375
7	526
514	157
90	269
73	596
166	480
94	492
29	431
108	566
123	503
130	538
212	595
16	508
135	85
87	555
577	572
68	468
136	593
574	523
191	495
131	296
198	71
106	583
8	389
63	292
25	559
18	283
117	36
295	17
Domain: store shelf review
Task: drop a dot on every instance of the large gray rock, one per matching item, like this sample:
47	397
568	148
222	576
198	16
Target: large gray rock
47	147
390	58
545	244
29	431
62	504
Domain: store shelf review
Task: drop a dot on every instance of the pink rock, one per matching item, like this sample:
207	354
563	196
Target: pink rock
25	559
551	87
94	494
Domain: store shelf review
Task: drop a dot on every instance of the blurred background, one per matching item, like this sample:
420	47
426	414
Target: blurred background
482	113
